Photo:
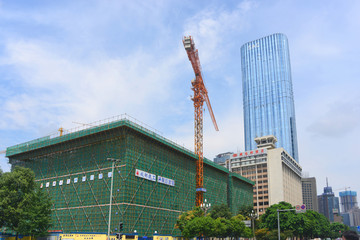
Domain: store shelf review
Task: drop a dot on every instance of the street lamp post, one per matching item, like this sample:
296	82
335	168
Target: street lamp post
113	160
253	216
205	206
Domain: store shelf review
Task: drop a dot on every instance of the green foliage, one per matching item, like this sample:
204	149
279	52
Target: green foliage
199	226
336	229
315	225
269	219
220	211
306	225
194	224
238	228
246	210
266	234
186	217
221	228
24	209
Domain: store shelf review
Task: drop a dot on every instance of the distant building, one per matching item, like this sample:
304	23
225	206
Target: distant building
328	204
309	193
354	214
351	218
346	218
350	209
348	200
268	97
222	157
276	174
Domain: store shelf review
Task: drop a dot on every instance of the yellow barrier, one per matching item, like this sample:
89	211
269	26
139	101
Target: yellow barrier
23	238
159	237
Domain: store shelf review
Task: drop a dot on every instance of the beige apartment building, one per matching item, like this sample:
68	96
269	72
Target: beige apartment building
276	174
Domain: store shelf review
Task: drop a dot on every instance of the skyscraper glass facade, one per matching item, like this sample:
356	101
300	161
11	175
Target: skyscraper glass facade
268	93
328	204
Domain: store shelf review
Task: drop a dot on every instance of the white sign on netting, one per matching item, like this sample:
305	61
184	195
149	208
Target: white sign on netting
146	175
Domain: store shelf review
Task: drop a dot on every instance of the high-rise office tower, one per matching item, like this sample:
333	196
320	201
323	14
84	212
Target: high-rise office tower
268	93
309	193
328	204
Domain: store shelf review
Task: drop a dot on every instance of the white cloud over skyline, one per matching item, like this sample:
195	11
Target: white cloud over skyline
85	61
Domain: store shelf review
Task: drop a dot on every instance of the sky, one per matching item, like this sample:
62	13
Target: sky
68	62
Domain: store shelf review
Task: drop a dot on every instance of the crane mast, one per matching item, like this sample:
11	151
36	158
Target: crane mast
200	95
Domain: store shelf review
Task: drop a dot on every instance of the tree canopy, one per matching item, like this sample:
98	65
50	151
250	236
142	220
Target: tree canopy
24	208
307	225
218	223
246	210
220	211
269	219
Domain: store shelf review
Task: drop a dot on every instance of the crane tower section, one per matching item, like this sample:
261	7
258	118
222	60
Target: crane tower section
200	95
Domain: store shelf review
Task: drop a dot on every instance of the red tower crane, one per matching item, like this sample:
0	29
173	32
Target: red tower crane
200	95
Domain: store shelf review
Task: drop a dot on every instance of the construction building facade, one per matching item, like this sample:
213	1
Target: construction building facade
153	179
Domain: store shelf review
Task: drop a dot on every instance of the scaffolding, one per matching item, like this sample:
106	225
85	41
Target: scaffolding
154	182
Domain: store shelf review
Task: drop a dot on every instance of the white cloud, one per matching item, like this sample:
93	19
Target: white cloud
212	28
85	90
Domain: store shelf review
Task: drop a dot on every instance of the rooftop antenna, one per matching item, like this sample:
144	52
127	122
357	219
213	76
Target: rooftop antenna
327	184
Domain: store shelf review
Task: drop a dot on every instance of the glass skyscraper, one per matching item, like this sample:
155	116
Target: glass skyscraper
268	93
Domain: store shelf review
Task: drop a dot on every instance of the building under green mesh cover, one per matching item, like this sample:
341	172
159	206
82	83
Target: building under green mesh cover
153	183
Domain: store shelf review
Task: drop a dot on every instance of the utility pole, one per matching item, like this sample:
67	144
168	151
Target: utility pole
113	160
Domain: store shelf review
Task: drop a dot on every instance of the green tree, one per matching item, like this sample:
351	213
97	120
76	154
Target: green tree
187	216
24	208
246	210
221	228
266	234
220	211
199	227
315	225
310	225
269	219
237	227
336	229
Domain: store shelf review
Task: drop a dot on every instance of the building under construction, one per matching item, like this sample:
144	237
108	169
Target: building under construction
153	178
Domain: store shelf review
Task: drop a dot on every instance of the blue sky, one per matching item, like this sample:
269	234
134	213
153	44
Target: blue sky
82	61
